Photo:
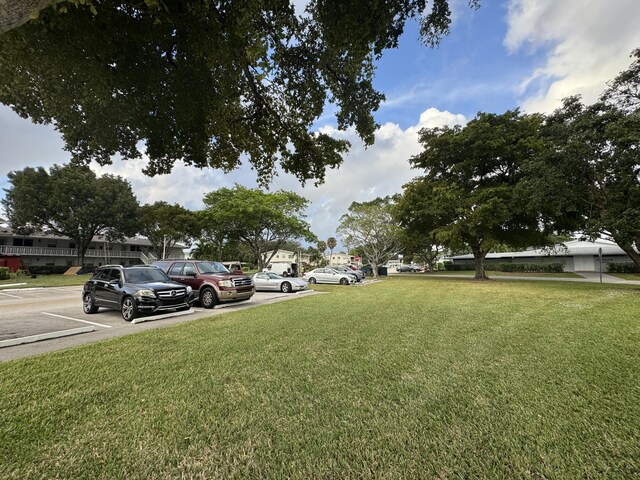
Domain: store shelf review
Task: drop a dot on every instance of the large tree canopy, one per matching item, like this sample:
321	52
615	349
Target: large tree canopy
470	196
165	225
207	82
71	201
260	220
588	179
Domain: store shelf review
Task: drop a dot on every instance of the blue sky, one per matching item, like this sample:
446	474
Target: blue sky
511	53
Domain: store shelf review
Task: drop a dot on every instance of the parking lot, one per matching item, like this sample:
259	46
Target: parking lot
30	317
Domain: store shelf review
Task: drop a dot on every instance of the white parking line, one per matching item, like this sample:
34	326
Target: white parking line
75	319
7	295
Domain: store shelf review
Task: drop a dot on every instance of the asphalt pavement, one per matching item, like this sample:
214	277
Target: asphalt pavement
34	315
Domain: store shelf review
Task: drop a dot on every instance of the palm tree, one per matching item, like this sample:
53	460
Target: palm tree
322	246
331	243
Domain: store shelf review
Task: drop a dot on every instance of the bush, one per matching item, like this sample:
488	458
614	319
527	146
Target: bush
625	267
525	267
458	267
509	267
4	273
47	269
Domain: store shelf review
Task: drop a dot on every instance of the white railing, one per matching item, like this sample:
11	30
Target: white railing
65	252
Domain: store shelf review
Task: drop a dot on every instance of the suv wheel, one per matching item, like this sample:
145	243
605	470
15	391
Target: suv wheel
129	309
87	304
285	287
208	298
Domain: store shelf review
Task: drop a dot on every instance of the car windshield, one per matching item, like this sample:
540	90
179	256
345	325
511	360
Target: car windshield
143	275
212	267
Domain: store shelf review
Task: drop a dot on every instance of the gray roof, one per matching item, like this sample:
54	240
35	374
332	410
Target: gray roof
566	249
8	232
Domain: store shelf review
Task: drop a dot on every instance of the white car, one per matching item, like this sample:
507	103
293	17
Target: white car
329	275
271	282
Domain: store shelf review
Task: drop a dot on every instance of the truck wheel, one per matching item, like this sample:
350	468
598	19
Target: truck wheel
285	287
129	309
208	298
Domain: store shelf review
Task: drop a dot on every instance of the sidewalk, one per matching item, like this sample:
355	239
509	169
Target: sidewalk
587	277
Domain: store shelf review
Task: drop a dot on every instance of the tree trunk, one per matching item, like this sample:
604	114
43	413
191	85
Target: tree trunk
374	269
630	251
14	13
478	258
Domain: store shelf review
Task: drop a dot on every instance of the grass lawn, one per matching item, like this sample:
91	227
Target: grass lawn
47	281
412	377
508	274
626	276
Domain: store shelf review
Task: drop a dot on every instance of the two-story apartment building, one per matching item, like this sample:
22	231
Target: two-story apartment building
43	249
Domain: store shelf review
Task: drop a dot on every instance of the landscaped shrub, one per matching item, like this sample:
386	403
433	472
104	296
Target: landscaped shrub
525	267
458	267
47	269
510	267
625	267
4	273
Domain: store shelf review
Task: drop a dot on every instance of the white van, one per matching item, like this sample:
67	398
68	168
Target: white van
283	268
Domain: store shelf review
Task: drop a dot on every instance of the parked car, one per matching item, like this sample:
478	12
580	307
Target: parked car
359	274
408	268
134	290
329	275
271	282
211	282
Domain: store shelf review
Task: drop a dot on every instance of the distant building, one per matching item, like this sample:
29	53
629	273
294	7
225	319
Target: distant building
42	249
339	258
575	255
287	256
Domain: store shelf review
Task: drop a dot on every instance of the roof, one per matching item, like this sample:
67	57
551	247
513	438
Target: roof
566	249
7	231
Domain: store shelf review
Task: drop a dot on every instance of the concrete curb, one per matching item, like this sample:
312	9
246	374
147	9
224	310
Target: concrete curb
45	336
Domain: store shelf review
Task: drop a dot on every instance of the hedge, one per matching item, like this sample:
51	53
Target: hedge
626	267
4	273
47	269
509	267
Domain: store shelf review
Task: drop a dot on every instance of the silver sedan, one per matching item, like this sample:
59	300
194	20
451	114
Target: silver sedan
271	282
329	275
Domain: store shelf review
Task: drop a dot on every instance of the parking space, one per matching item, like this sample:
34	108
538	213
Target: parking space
48	319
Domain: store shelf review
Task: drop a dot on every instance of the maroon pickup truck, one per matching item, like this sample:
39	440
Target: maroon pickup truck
211	282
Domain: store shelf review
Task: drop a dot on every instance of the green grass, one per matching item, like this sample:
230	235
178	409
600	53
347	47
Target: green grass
47	281
509	274
413	377
626	276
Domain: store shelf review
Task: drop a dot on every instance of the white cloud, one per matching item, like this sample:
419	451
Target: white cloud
588	42
366	173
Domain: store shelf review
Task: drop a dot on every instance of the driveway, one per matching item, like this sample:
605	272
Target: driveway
41	313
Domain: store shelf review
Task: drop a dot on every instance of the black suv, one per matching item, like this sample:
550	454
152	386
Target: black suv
134	290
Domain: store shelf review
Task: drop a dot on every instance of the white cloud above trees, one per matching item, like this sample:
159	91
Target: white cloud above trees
588	43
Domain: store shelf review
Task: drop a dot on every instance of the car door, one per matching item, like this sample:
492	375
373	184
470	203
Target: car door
108	291
175	271
189	276
262	282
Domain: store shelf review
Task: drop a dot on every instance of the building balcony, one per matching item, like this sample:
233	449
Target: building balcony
64	252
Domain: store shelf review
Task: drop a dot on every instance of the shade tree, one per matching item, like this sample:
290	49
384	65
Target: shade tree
263	221
71	201
208	83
